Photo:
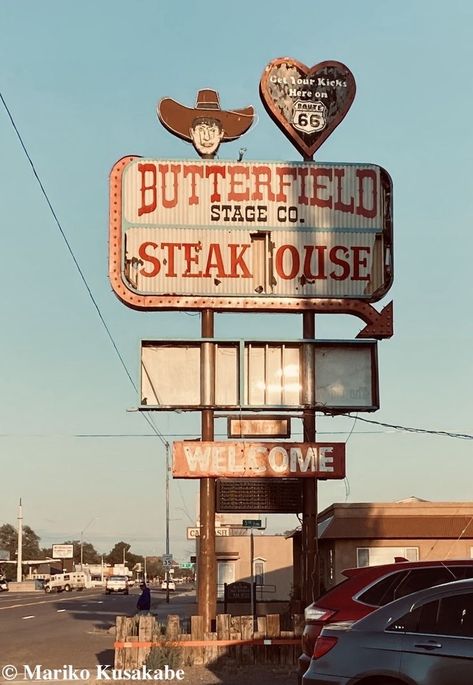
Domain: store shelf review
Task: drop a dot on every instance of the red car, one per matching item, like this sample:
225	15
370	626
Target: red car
369	587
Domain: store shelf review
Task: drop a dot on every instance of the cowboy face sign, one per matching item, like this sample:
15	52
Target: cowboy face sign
206	125
206	136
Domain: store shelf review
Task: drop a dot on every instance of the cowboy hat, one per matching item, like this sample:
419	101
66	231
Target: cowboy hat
178	119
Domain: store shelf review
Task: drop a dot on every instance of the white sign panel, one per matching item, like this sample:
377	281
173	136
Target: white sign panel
63	551
188	234
261	375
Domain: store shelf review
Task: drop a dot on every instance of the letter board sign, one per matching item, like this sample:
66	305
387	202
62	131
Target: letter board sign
259	495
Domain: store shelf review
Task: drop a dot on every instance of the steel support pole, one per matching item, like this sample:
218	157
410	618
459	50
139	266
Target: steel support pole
207	562
311	581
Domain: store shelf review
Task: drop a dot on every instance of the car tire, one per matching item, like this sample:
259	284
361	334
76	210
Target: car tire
107	592
67	588
47	590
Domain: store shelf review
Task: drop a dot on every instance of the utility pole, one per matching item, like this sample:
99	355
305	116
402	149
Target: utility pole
167	521
19	557
207	564
310	575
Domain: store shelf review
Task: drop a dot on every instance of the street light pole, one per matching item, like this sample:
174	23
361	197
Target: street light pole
82	542
167	520
19	559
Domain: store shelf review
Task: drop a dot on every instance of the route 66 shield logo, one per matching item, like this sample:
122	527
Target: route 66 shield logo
309	117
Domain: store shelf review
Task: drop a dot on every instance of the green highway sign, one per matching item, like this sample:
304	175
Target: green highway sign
252	523
186	564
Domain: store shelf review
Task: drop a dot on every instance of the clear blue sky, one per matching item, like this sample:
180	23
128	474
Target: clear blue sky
82	81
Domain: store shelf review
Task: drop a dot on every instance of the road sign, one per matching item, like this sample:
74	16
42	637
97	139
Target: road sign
252	523
219	533
167	560
186	564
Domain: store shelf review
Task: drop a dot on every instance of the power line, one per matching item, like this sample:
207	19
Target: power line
76	264
408	429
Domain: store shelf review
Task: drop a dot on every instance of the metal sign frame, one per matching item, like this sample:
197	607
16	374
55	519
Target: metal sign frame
240	396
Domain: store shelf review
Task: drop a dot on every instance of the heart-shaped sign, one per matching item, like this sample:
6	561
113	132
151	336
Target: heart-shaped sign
307	103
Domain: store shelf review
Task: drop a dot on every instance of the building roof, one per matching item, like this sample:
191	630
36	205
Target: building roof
397	527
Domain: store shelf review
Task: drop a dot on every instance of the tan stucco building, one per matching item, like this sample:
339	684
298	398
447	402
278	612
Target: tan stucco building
364	534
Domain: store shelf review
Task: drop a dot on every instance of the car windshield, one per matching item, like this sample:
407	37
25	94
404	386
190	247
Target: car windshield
118	578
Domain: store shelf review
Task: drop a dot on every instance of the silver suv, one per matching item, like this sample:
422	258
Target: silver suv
116	584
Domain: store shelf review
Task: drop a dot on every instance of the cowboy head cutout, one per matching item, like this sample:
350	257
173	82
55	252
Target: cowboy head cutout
205	125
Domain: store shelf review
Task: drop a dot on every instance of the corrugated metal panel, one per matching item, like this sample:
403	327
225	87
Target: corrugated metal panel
204	261
262	194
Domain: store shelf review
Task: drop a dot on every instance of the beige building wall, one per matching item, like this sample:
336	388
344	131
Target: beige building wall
343	554
274	552
338	547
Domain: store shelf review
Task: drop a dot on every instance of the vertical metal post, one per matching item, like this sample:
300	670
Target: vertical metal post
167	521
19	558
207	584
252	575
311	581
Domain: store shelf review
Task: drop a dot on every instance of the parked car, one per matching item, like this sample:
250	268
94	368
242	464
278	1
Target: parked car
171	585
365	589
3	585
116	584
425	638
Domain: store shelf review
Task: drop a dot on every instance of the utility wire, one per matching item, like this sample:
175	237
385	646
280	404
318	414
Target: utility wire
448	434
77	265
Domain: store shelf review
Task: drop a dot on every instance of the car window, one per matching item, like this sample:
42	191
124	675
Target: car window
421	578
383	591
446	616
461	572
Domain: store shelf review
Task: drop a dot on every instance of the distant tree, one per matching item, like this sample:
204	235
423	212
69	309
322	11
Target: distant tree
30	541
120	552
154	567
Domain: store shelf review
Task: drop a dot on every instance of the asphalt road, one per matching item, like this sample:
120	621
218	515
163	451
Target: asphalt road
71	628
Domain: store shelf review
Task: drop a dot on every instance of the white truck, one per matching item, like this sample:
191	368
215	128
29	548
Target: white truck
65	582
116	584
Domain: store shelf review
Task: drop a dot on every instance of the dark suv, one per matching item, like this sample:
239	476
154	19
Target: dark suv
369	587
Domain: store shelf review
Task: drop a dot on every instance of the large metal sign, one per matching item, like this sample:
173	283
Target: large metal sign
260	375
256	460
259	235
